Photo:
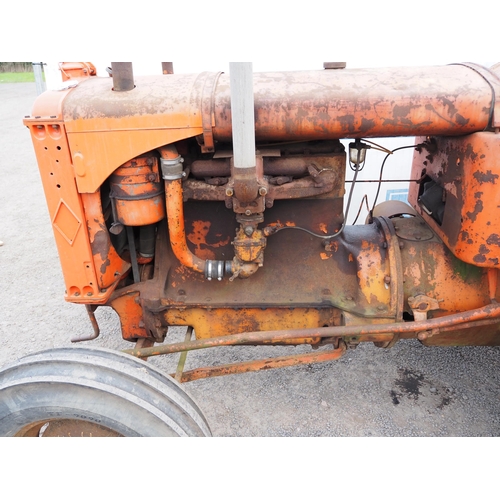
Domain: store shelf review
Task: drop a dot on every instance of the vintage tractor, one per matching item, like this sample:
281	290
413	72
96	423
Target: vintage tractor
216	202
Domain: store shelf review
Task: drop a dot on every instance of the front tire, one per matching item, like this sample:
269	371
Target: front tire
87	391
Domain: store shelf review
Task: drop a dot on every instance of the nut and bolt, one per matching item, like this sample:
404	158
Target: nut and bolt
248	212
387	279
229	192
262	191
249	230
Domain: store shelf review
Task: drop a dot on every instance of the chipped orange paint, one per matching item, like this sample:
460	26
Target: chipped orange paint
131	316
66	211
198	237
176	227
468	170
362	103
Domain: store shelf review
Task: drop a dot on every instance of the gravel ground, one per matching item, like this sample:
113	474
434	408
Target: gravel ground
409	390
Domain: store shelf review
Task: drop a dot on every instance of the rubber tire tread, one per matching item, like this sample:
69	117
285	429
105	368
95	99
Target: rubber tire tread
116	390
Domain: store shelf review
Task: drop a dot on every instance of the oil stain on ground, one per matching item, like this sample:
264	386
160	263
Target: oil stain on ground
408	383
413	385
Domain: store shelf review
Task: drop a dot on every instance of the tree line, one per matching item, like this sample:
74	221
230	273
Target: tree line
16	67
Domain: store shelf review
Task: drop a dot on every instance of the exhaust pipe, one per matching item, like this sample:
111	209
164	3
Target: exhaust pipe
123	76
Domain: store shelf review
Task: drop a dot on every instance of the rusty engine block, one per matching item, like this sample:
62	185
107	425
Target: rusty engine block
157	215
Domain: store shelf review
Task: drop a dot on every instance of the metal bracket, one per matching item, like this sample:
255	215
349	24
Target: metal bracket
421	305
208	113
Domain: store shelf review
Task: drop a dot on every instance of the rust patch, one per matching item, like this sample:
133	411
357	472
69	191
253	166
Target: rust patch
470	153
367	125
430	107
481	256
198	237
493	239
347	123
402	111
487	176
483	249
104	266
478	208
462	121
100	244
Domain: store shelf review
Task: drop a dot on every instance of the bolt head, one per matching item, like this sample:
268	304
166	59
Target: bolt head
229	192
262	191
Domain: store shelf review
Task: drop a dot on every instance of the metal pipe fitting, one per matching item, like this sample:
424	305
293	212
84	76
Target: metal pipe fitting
217	269
123	76
171	169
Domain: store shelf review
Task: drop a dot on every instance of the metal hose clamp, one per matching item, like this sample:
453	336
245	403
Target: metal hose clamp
216	269
171	170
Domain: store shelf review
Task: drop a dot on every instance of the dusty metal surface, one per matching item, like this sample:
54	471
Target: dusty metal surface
447	100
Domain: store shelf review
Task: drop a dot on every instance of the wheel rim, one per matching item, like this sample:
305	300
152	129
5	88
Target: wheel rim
66	427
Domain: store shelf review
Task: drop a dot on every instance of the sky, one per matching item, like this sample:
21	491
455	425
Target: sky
274	34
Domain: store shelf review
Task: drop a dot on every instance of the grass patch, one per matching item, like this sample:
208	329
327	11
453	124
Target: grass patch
16	77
